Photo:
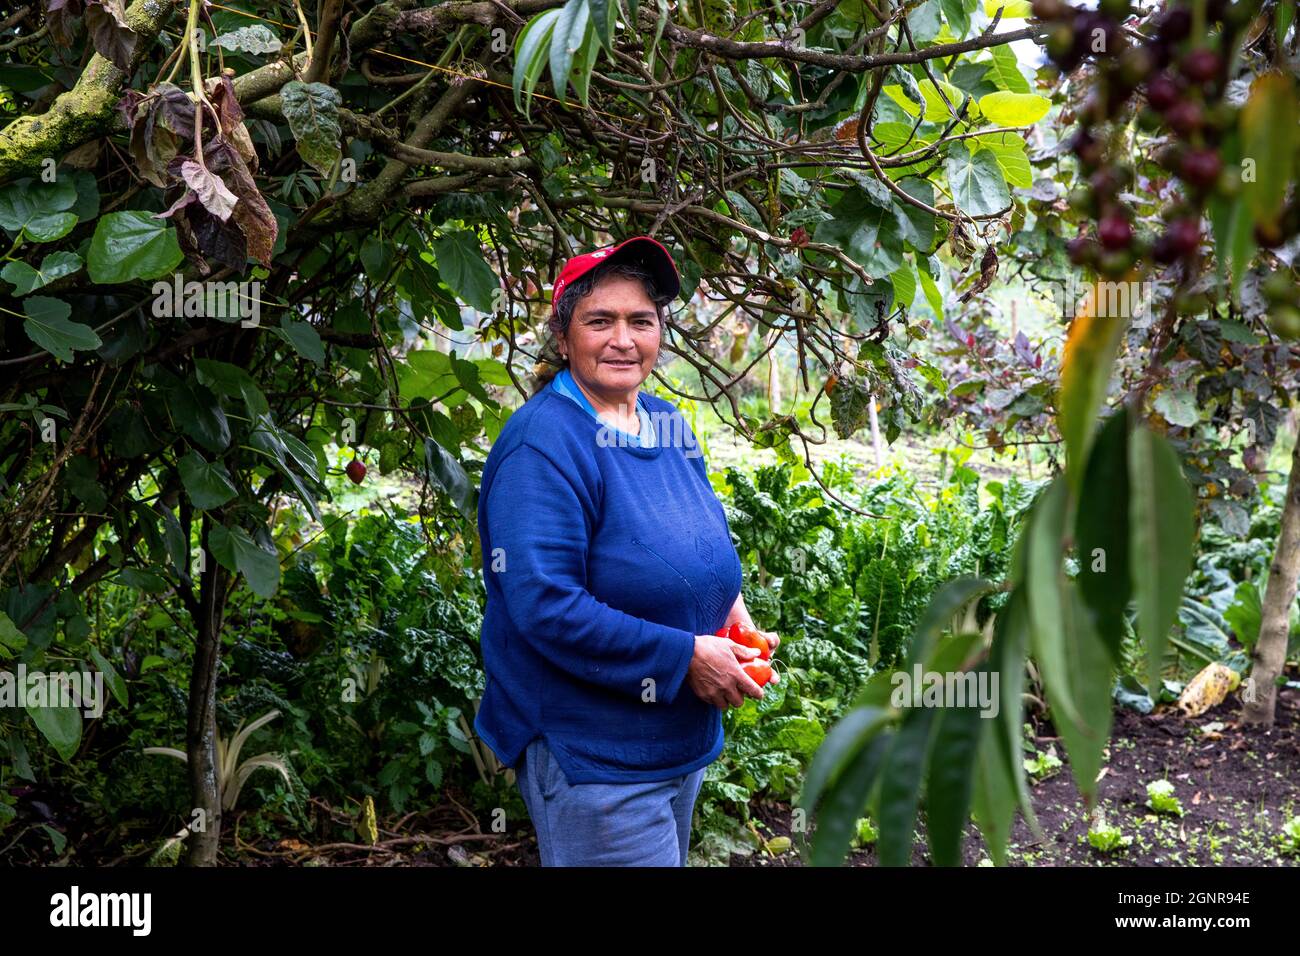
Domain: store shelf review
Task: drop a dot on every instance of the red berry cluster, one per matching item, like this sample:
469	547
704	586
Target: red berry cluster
1182	79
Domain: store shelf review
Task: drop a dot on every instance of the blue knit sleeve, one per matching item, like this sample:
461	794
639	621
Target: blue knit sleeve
538	523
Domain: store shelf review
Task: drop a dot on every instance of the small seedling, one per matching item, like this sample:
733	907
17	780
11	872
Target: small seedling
1042	765
1161	799
1289	838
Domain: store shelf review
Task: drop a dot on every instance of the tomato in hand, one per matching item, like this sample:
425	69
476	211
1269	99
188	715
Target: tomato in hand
742	634
759	670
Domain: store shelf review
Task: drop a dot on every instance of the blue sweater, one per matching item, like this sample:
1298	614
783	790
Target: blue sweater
602	562
565	385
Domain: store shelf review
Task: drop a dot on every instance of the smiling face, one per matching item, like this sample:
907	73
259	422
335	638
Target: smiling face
613	341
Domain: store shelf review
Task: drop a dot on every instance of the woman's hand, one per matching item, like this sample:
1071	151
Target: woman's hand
772	641
715	674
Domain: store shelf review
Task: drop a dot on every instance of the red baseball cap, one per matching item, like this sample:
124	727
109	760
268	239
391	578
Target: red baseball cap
642	249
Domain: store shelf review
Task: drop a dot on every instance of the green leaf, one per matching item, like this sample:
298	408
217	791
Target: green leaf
844	740
1269	122
312	110
867	232
12	640
25	279
1101	529
900	785
1090	348
254	38
530	56
304	338
932	294
904	282
915	225
950	779
132	245
1178	406
233	382
1162	532
61	726
978	186
461	263
1011	9
1009	150
235	550
47	326
950	598
954	11
566	41
1048	595
1005	71
199	413
446	472
208	485
38	208
837	820
112	678
1089	664
603	15
1014	109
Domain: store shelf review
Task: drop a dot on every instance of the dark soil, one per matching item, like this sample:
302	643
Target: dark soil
1237	785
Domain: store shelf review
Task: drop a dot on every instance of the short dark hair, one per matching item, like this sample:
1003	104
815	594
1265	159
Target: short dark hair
550	361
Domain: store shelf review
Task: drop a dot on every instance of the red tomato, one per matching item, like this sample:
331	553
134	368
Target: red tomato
759	670
749	637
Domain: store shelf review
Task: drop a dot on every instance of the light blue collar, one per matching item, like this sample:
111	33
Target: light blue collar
566	386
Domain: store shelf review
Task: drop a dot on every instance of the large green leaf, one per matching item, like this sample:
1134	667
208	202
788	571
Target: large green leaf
1048	595
38	208
312	110
978	186
1009	150
1005	71
461	263
1004	108
530	56
236	551
844	803
303	337
449	474
132	245
1269	124
944	604
900	785
1090	348
199	414
566	40
867	232
1163	529
844	740
208	485
61	726
1093	676
1101	530
25	279
950	777
48	326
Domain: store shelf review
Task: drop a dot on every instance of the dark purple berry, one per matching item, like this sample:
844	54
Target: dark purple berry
1082	250
1185	117
1201	167
1162	92
1201	65
1115	232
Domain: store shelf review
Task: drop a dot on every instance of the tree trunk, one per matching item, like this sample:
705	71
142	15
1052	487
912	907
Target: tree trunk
201	729
1275	616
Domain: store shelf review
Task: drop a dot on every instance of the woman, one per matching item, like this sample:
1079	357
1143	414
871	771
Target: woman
609	566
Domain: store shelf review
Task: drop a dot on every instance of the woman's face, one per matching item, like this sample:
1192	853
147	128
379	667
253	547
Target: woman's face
613	338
